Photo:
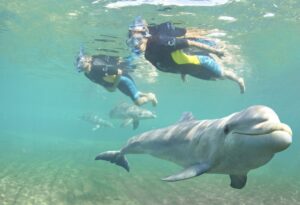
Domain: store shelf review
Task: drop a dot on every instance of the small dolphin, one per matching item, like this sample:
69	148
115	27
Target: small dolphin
96	120
130	114
232	145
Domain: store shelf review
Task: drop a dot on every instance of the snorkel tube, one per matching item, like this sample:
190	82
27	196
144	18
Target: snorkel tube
80	59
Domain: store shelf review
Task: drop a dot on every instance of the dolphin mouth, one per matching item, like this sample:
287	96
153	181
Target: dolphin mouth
270	128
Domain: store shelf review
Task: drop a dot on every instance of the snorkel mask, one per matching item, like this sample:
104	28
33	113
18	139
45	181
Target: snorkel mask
139	25
137	31
134	43
80	59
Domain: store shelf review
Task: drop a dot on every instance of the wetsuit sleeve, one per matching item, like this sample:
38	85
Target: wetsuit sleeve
172	42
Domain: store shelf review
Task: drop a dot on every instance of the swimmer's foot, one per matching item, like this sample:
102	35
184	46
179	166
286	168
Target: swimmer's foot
241	83
151	97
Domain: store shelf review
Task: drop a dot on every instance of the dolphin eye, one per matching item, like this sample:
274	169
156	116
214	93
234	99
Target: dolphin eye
226	129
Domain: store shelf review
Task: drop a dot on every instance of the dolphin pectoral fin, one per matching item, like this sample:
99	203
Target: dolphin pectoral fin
135	123
189	172
238	181
127	122
96	127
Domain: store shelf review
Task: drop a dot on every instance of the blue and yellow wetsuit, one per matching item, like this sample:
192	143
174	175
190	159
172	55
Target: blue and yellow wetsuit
104	72
165	53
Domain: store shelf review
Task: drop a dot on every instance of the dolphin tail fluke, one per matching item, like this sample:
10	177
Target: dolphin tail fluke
189	172
115	157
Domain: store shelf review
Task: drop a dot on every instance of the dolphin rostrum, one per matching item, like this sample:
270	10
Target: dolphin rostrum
231	145
130	114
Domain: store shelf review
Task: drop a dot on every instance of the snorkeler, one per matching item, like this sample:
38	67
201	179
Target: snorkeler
108	72
166	54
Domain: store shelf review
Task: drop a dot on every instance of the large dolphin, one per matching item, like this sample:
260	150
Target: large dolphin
130	114
232	145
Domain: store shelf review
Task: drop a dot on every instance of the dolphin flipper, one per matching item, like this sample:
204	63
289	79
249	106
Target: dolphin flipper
238	181
115	157
126	122
96	127
135	123
189	172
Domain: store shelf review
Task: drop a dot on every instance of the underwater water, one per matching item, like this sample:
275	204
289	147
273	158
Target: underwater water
46	151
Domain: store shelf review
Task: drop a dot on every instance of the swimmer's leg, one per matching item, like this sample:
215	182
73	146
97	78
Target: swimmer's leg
128	87
217	72
232	76
146	97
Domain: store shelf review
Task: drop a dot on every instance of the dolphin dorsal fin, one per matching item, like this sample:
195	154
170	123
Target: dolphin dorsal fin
189	172
186	116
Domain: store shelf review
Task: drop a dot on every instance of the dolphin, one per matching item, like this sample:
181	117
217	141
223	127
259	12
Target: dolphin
130	114
232	145
96	120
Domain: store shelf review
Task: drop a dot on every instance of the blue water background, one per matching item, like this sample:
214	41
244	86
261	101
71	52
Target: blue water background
46	151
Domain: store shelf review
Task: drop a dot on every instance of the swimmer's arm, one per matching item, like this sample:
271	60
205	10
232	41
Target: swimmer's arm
210	49
196	33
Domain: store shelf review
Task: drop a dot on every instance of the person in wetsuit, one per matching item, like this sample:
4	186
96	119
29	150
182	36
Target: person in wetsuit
140	26
108	72
166	54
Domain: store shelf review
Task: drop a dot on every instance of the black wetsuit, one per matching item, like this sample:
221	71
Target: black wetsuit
103	66
159	49
167	29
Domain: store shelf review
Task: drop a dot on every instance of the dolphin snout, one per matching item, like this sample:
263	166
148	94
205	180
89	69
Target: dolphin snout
265	128
285	128
273	127
282	136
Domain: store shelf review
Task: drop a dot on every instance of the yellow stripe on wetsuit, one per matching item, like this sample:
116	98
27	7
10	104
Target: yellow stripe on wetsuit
181	58
110	78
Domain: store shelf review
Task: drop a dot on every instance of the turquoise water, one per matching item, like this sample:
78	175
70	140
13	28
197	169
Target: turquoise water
46	152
